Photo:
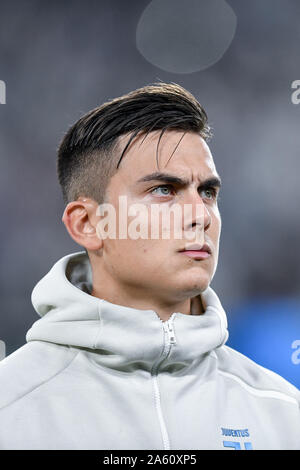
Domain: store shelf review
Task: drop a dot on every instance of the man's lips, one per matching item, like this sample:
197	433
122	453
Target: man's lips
197	251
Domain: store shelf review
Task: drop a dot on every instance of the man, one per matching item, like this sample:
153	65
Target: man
130	351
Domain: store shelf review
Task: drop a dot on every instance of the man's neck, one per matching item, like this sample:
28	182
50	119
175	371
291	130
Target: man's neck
163	309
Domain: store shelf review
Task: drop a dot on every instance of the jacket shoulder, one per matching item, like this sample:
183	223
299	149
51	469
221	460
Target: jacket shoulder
30	366
253	377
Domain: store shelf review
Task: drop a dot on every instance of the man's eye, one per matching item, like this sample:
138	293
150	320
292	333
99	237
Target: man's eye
162	190
210	193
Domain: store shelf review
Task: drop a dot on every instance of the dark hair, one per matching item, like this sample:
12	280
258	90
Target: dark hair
89	154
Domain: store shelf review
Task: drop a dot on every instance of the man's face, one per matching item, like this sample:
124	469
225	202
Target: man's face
158	265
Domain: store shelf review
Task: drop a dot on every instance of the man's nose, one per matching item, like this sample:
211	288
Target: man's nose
196	213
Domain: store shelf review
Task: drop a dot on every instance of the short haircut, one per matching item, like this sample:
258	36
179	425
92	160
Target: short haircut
89	153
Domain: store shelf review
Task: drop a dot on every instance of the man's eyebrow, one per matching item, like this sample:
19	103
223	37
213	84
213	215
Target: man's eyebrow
168	178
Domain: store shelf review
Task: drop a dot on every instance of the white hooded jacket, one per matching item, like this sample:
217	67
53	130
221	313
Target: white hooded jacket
95	375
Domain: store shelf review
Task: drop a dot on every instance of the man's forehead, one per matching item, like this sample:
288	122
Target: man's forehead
175	150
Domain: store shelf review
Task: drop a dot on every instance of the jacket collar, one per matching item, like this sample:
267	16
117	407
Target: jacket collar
116	336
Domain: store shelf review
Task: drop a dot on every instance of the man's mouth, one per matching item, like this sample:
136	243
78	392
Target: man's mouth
197	251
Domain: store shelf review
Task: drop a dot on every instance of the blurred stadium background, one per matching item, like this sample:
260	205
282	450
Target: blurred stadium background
60	59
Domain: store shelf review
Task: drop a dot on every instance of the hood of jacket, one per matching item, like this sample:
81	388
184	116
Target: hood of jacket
120	337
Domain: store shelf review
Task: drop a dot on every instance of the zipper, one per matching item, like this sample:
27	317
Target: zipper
170	330
169	340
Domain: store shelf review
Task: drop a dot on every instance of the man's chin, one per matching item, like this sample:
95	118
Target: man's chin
193	285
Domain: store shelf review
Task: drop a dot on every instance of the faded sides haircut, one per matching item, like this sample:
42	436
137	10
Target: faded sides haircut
90	154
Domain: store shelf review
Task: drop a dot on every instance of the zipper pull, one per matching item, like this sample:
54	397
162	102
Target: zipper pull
171	332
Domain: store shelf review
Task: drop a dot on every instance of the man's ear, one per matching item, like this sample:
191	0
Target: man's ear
81	220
